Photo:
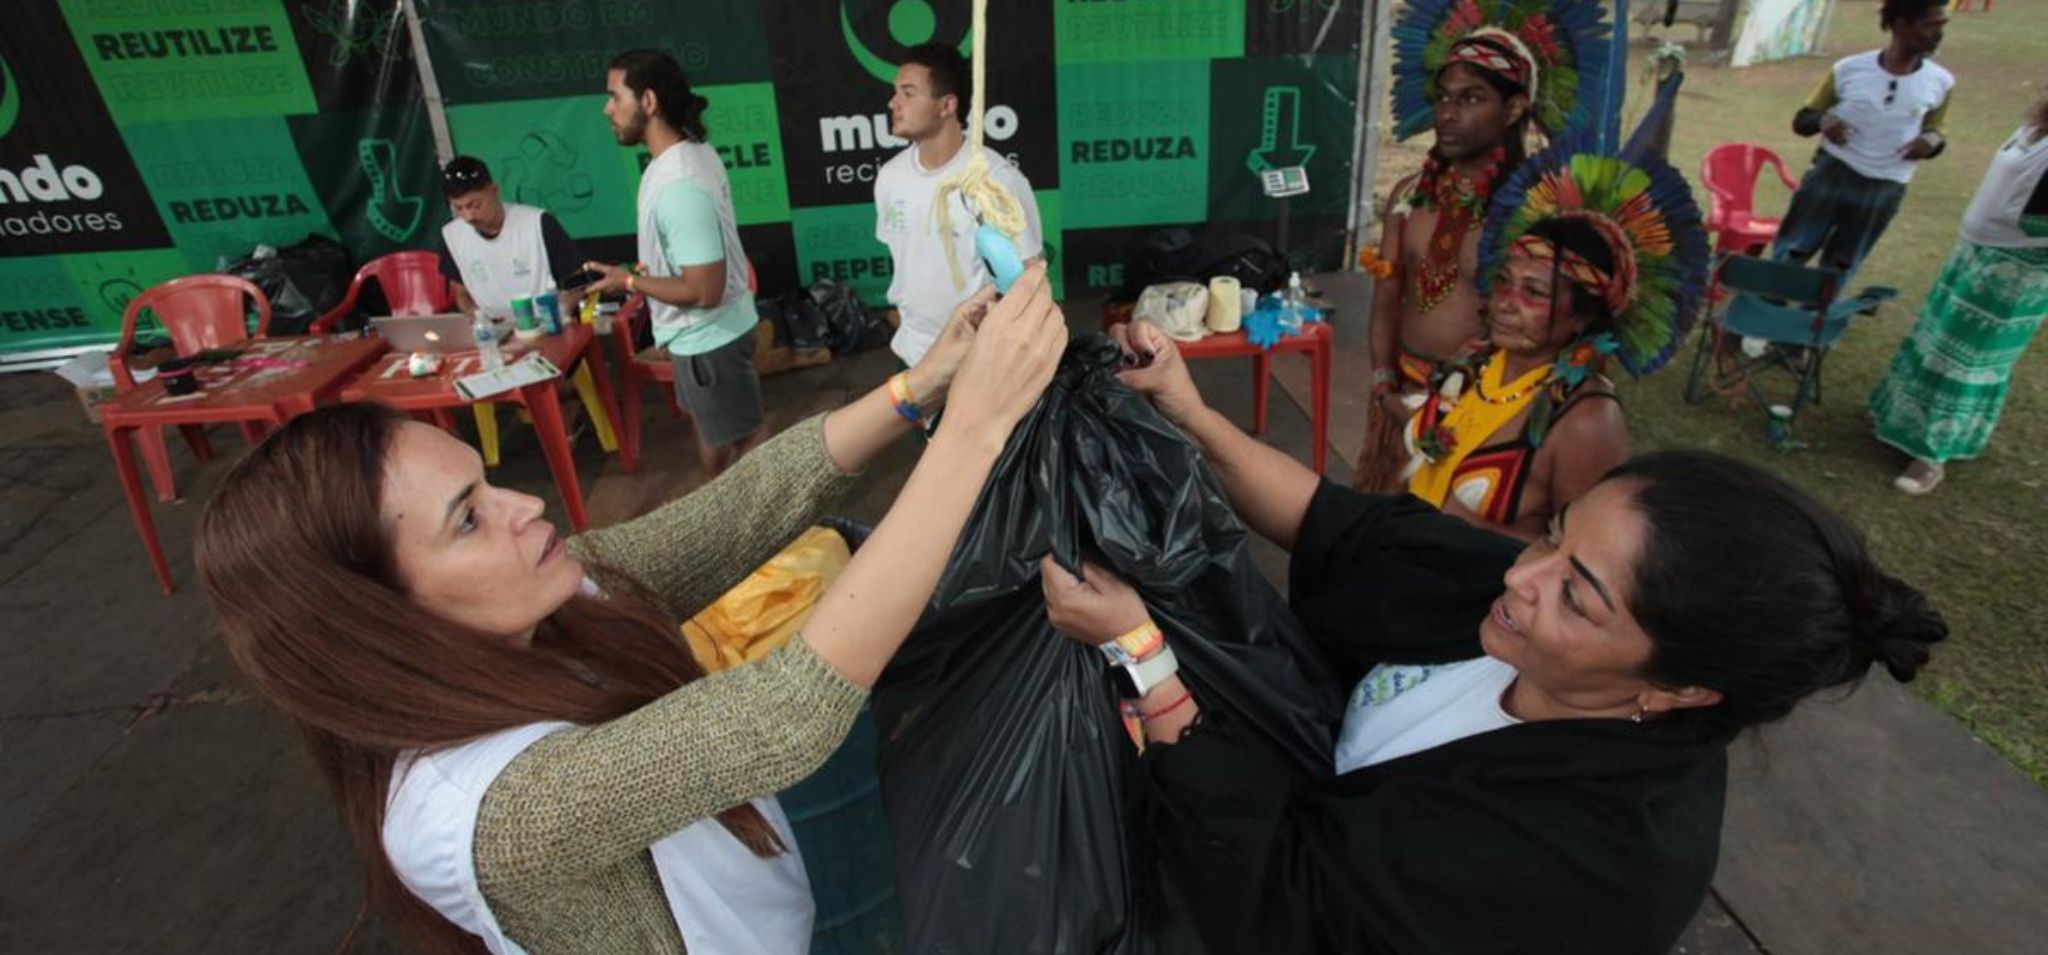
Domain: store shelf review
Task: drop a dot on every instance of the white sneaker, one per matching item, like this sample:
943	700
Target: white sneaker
1920	477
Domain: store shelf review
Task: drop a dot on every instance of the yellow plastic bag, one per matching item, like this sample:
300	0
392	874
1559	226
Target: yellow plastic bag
768	607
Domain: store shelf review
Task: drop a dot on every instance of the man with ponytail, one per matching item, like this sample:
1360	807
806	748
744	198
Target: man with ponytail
691	269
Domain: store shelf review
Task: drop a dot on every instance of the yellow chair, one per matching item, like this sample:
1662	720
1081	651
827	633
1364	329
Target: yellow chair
586	388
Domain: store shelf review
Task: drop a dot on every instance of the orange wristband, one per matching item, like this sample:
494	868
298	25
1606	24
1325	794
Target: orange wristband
1142	640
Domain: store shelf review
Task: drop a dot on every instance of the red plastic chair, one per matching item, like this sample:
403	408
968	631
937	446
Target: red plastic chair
412	284
639	369
199	312
1730	172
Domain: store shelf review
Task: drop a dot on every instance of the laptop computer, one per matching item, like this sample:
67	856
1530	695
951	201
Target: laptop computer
437	334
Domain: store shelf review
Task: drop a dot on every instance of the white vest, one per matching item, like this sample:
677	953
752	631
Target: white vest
498	270
725	900
1884	113
697	163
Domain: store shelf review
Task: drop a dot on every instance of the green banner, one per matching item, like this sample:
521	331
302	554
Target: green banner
1148	30
141	140
218	206
1134	142
72	300
194	59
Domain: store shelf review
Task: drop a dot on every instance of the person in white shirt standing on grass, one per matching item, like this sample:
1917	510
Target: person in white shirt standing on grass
494	251
1879	115
932	272
1950	377
694	270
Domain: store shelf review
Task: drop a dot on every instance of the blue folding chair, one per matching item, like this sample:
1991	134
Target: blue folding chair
1781	317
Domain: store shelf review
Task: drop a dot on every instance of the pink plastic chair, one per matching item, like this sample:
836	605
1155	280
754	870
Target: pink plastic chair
412	284
199	312
1730	172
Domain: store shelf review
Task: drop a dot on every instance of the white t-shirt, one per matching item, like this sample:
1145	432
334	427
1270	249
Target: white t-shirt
1399	710
505	266
922	286
725	900
2016	170
1884	113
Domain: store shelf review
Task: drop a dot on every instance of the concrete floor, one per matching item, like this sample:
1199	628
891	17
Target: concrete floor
148	803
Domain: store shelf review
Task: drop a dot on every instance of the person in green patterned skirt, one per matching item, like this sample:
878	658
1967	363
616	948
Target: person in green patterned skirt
1947	384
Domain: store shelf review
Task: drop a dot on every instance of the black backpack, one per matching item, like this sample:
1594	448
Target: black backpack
1174	255
1250	260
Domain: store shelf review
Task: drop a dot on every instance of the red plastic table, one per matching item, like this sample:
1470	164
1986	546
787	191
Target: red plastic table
389	383
1313	341
273	380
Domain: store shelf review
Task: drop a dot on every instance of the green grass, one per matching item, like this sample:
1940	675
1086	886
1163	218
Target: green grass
1979	545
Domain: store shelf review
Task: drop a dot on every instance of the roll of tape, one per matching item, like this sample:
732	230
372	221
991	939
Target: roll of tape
1226	309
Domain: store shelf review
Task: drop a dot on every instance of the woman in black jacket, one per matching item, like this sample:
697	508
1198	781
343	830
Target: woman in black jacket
1533	758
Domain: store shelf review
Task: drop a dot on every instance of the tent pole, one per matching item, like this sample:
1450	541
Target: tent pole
1374	72
430	90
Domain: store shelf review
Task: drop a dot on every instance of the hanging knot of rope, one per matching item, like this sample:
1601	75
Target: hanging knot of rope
988	200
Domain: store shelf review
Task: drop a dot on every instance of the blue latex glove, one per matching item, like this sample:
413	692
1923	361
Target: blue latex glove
1001	255
1262	328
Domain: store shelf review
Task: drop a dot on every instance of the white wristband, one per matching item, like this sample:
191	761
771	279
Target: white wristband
1153	670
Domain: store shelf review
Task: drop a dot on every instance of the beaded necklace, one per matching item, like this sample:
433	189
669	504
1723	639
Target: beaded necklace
1537	378
1460	203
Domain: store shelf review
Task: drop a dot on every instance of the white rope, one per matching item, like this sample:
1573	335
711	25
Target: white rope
985	197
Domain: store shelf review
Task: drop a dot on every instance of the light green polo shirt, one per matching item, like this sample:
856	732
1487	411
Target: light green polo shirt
686	219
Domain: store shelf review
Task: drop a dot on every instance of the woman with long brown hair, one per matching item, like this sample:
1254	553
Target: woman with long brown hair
523	748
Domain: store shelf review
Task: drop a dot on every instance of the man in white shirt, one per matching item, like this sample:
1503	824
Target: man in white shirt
1879	114
934	273
695	277
494	251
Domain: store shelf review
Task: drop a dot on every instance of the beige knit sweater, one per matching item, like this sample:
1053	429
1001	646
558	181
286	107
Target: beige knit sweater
561	840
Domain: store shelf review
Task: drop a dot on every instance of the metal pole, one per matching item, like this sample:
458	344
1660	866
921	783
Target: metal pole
1616	88
1374	70
430	90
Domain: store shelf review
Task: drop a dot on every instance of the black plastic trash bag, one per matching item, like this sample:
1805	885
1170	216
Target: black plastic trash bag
781	315
826	315
1003	753
302	281
840	321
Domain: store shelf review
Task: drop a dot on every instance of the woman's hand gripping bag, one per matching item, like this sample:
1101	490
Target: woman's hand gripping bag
1004	759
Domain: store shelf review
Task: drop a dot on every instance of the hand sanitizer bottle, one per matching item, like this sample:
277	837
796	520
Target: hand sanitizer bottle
1293	310
487	343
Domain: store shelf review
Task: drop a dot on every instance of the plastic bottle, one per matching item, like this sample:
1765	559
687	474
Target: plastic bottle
1294	307
487	343
547	307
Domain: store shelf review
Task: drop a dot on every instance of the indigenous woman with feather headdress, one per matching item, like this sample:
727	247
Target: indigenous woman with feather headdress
1589	259
1479	74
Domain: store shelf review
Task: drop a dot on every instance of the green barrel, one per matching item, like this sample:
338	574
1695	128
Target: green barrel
837	815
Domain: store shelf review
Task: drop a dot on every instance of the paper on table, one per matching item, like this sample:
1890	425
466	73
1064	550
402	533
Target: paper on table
529	370
89	370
